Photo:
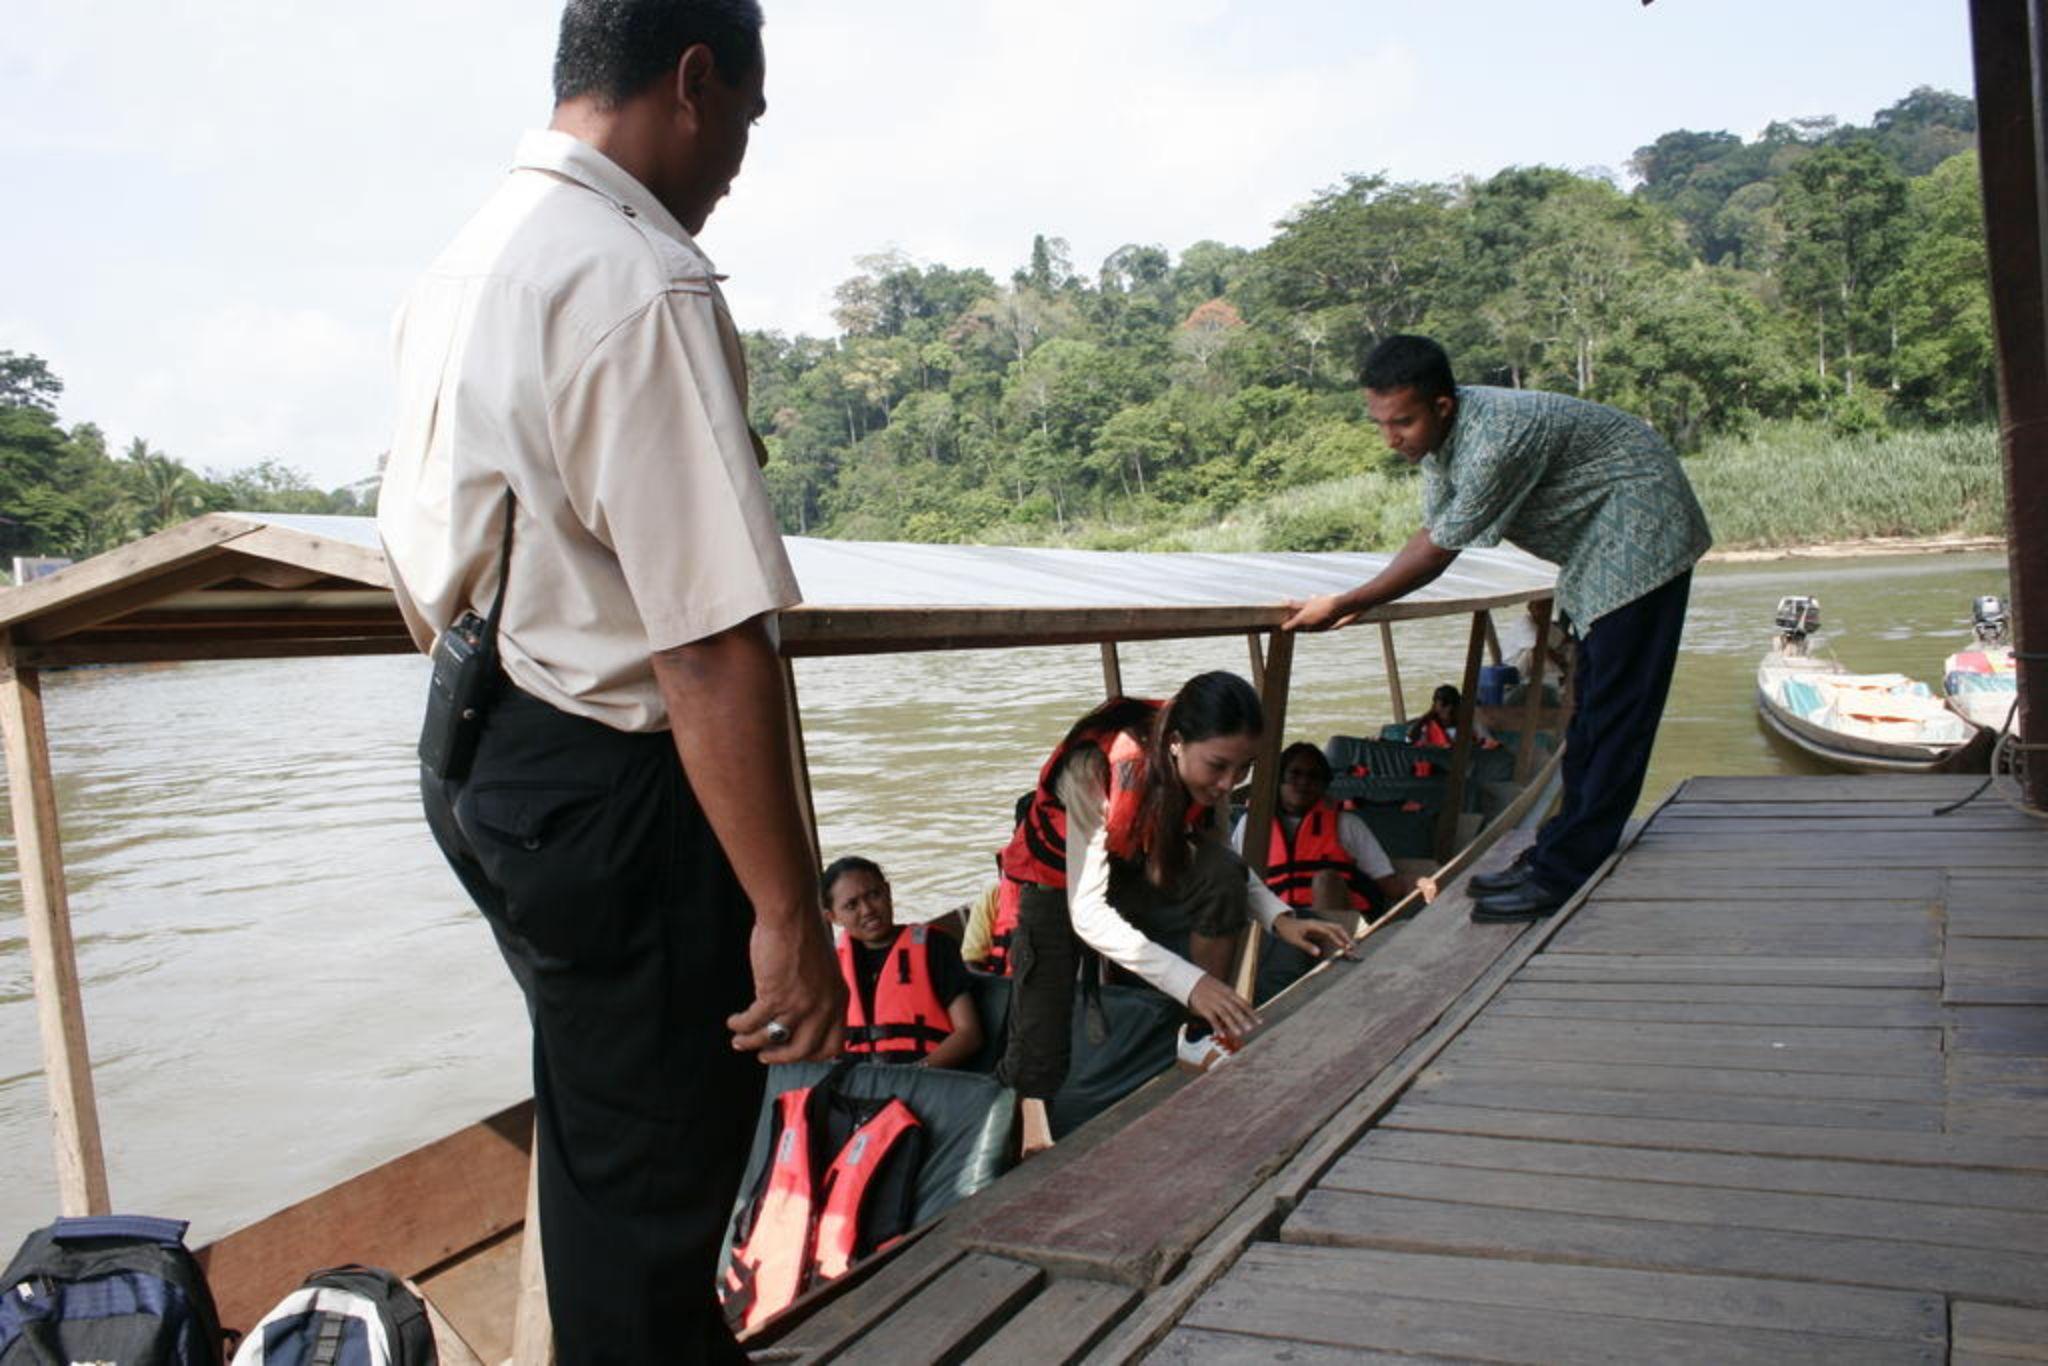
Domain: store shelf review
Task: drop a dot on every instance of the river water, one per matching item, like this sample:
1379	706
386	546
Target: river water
284	986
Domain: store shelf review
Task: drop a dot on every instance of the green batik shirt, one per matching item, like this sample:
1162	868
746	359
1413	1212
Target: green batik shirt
1587	487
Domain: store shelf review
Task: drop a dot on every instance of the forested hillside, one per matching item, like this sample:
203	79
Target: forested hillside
1819	288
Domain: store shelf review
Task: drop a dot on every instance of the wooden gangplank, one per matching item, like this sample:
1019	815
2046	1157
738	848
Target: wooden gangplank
1776	1090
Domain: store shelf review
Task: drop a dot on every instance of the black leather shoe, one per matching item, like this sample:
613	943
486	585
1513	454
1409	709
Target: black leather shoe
1529	901
1493	884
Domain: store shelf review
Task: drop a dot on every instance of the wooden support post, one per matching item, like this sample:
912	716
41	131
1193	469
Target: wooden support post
2010	38
1393	673
1461	749
1112	671
1492	640
1258	662
533	1331
1532	696
1265	798
799	761
53	958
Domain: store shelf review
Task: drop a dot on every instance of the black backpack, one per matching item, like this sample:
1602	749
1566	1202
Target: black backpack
110	1288
344	1316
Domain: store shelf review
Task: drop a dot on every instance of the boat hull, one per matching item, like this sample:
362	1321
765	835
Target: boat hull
1857	754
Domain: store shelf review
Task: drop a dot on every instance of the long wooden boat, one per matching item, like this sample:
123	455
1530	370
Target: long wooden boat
1863	723
235	586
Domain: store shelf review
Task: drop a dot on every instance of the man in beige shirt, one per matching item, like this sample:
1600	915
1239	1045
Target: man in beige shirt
628	826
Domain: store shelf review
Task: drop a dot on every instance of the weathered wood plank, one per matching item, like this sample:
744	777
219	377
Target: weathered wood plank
1788	1038
1739	993
1766	910
1795	789
1060	1323
1998	1117
952	1316
1700	1081
1798	1175
1339	1311
1208	1347
1911	1149
1719	1207
2031	954
1967	984
1631	882
1919	1014
1158	1185
1736	969
1907	940
1507	1043
2000	1331
1450	1088
1788	814
1344	1220
2021	1029
1721	1301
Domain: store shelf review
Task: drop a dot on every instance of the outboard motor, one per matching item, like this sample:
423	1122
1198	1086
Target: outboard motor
1797	619
1990	620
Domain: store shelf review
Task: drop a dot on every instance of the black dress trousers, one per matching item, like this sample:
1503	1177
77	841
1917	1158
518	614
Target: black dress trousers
624	926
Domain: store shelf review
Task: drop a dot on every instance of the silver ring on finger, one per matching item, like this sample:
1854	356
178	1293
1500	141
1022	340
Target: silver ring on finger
777	1032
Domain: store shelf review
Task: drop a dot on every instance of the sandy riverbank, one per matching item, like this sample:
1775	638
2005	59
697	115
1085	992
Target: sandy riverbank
1874	545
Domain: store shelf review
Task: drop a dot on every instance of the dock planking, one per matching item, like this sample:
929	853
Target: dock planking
1775	1088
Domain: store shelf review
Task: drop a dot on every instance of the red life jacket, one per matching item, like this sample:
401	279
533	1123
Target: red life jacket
909	1016
804	1225
1291	866
1037	853
1003	928
1431	732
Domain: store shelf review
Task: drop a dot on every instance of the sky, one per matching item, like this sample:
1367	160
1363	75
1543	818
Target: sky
212	209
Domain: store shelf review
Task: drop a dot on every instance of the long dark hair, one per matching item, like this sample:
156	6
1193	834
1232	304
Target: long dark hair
1207	705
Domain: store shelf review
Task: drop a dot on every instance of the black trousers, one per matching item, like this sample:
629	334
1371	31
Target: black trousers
619	916
1210	897
1624	674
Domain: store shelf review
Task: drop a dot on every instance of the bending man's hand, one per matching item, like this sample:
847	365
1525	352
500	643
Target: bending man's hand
796	983
1317	614
1318	938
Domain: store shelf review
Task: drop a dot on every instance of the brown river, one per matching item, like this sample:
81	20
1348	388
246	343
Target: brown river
284	986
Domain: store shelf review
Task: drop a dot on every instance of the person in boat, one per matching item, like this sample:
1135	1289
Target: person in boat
1125	827
907	997
992	926
628	824
1438	727
1598	493
1324	863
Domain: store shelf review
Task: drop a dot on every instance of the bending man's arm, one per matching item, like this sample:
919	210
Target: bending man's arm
728	712
1418	562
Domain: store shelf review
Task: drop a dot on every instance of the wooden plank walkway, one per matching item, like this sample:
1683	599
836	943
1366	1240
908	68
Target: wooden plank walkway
1774	1089
1777	1090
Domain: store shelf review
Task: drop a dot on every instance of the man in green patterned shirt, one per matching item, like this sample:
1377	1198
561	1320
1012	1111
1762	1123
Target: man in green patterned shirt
1600	495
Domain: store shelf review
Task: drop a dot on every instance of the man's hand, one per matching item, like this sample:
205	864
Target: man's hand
1228	1013
1324	613
1317	938
797	984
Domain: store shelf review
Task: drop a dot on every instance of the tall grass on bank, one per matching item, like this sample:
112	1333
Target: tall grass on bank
1783	484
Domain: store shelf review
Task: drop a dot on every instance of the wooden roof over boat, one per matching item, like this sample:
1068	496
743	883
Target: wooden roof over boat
233	585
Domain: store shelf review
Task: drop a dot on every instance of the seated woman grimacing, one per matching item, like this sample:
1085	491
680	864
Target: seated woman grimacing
919	1012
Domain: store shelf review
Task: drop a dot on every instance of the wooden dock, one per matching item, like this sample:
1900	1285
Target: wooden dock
1774	1089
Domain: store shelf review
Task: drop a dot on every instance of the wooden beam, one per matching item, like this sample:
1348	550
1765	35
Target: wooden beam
1273	689
307	550
1258	660
1492	640
87	651
533	1329
119	602
1462	747
2009	37
1532	696
1393	673
1112	671
121	566
53	957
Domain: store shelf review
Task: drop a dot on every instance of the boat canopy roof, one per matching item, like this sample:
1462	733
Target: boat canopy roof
232	585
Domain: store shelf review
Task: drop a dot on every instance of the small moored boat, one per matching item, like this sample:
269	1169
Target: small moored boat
1866	723
1981	681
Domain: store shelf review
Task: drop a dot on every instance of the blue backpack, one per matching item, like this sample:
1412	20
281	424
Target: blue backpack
344	1316
112	1288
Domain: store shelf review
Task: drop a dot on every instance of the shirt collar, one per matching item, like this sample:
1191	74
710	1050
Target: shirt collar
558	153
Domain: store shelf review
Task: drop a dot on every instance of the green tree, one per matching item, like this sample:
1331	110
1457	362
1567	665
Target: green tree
1939	300
1844	213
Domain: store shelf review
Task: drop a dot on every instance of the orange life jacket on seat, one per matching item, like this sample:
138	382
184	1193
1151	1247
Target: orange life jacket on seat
909	1016
1003	928
1038	851
810	1219
1291	866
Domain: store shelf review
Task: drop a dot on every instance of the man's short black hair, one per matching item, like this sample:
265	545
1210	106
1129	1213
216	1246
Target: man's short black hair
614	49
1303	749
1408	362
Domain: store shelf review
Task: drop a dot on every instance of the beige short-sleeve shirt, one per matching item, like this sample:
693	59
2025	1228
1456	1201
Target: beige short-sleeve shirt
571	345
